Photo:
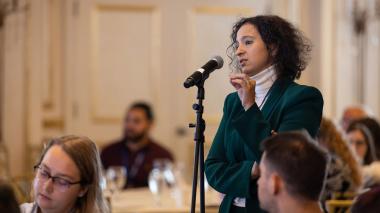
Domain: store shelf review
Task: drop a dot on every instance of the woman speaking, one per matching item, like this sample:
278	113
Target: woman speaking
267	54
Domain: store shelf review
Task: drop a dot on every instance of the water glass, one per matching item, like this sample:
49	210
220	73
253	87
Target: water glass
116	177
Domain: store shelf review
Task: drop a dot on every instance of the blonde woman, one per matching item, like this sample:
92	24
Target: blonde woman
67	178
343	173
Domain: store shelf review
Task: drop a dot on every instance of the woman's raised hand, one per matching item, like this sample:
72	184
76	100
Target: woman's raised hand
245	88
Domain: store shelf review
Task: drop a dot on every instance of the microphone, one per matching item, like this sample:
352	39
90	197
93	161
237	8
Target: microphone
202	73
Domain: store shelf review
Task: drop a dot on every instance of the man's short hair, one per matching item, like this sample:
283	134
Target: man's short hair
298	161
145	107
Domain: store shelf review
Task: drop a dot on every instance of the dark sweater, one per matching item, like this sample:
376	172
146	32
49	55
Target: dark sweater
118	154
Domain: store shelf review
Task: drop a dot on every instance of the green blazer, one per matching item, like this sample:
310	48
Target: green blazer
236	145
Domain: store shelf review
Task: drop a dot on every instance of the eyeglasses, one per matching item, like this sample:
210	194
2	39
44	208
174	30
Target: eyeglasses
358	142
59	183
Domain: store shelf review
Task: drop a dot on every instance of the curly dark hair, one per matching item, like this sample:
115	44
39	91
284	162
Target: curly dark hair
288	47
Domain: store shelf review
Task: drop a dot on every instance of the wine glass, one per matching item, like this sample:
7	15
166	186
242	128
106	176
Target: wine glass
116	178
168	173
156	183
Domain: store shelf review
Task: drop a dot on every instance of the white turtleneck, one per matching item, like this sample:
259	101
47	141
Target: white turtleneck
264	81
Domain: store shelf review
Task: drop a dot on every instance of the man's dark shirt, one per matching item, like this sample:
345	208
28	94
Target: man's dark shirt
138	164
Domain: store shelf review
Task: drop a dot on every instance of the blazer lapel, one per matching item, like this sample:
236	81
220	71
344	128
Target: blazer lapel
275	93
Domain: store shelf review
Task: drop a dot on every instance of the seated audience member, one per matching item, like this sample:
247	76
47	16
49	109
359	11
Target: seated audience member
8	202
292	172
350	114
67	178
364	137
136	150
343	173
368	202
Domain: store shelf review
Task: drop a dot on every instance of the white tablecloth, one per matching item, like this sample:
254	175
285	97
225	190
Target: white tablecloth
173	201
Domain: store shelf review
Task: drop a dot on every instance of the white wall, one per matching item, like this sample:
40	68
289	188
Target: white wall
14	96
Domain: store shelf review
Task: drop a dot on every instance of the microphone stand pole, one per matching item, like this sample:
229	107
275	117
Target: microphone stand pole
199	139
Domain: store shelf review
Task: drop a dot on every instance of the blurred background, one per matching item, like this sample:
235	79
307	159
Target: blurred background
74	66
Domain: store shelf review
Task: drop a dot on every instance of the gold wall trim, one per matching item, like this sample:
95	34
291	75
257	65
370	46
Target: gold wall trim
106	120
54	49
109	119
223	10
53	124
124	7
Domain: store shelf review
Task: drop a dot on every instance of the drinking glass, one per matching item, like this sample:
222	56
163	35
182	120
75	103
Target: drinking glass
116	178
156	182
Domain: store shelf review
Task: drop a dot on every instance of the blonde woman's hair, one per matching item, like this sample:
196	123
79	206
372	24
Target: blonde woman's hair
84	153
334	142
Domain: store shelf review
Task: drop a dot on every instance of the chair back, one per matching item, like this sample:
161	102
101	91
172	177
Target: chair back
339	206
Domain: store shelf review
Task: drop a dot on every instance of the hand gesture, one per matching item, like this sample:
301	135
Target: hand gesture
245	88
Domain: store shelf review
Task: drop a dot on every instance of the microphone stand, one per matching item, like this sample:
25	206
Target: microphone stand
199	139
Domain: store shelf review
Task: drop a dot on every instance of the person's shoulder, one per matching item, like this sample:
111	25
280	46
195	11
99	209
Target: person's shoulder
28	208
232	96
114	145
159	149
296	88
297	91
155	145
231	101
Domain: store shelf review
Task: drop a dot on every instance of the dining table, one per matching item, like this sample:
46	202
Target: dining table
178	200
